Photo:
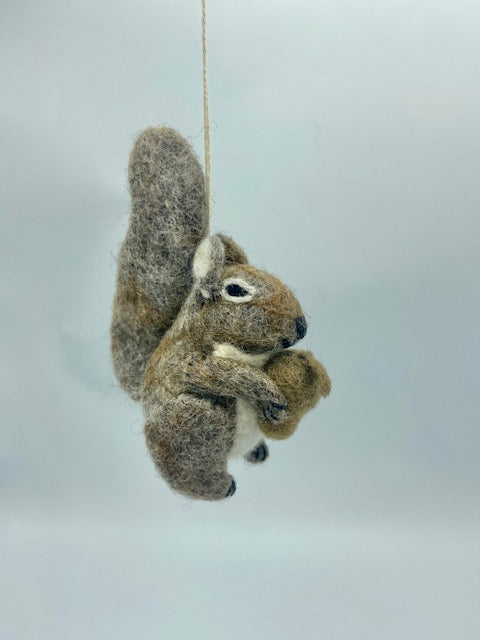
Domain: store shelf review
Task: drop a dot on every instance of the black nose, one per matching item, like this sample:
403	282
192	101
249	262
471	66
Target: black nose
301	326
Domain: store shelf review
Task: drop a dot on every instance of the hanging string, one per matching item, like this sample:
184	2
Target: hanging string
206	116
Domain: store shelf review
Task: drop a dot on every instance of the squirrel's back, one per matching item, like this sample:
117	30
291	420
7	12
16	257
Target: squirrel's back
167	222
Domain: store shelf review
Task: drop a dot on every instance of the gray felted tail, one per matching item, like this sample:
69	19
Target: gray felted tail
168	219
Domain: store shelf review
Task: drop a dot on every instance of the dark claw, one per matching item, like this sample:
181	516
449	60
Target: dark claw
231	490
274	412
259	454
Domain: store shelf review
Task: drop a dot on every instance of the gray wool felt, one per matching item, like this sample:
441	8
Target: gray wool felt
200	336
167	222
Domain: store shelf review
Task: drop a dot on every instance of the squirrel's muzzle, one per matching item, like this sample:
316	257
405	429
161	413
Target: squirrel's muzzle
300	330
301	327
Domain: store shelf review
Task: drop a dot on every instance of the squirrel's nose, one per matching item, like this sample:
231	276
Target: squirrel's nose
301	326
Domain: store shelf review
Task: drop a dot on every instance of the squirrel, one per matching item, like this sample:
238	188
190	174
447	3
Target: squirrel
198	335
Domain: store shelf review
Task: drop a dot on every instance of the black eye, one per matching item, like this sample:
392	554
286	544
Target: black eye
236	291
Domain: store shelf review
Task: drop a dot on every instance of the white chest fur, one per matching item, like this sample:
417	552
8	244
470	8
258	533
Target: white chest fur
247	434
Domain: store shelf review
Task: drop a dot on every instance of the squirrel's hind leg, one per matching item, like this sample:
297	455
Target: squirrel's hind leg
189	440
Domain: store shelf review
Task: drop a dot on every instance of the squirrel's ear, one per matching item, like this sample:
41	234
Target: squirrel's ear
233	253
208	263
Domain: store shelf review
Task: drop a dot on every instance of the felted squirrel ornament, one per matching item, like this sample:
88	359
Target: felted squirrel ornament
198	335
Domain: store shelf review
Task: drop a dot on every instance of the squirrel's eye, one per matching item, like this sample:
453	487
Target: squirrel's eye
236	291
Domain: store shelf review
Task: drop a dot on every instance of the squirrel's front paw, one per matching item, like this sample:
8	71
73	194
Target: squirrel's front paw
275	412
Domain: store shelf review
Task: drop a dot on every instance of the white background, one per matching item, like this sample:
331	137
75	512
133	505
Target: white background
345	160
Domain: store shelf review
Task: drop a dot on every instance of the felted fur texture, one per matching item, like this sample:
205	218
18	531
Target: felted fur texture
303	381
199	334
167	222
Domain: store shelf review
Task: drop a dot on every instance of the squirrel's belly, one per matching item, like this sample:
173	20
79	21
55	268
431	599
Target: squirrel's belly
247	432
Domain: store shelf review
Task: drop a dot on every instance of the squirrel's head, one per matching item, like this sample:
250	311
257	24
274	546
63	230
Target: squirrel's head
238	304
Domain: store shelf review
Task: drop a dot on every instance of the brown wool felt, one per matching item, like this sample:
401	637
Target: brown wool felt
303	381
199	335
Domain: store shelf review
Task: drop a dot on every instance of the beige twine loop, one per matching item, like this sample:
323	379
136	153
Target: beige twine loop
206	117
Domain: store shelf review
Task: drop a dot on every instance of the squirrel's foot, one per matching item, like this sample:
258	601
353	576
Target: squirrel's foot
275	412
231	489
257	455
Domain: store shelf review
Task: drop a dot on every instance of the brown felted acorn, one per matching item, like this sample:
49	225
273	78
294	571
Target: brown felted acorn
198	335
303	381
